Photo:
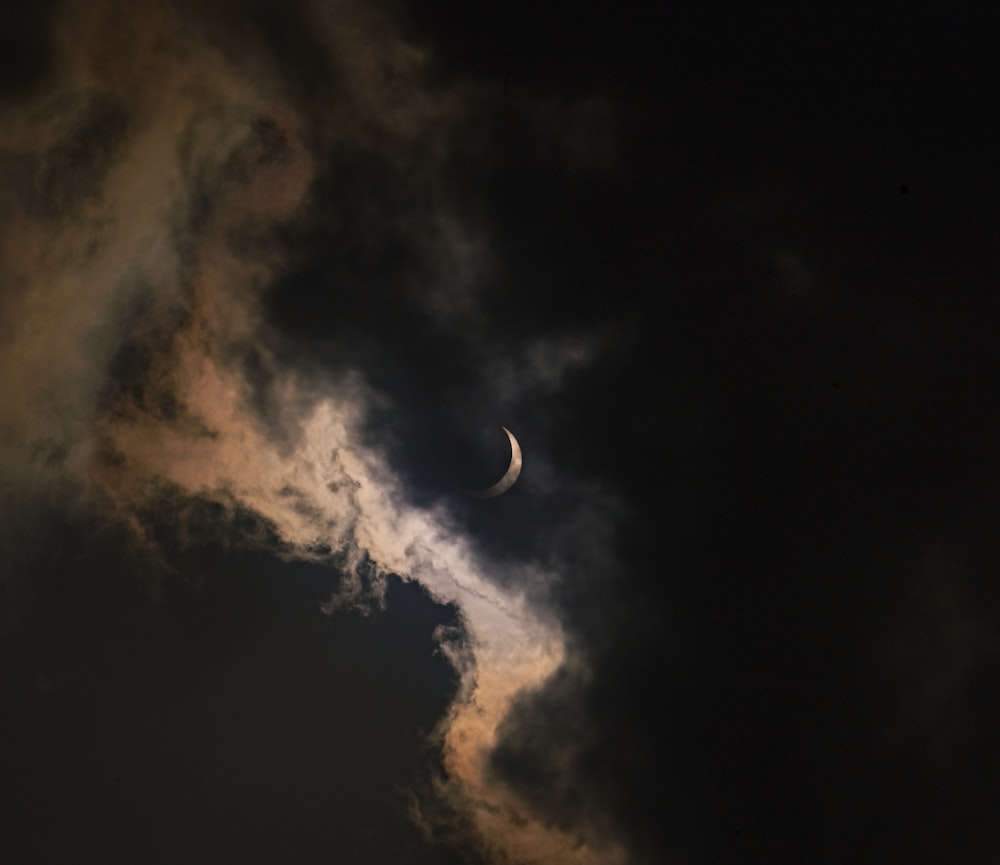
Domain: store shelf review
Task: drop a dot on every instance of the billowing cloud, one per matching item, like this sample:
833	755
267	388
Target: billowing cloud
148	181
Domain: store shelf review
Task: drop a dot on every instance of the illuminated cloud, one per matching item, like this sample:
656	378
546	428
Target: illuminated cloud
137	352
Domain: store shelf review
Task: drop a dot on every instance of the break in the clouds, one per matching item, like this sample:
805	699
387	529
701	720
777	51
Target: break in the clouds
147	180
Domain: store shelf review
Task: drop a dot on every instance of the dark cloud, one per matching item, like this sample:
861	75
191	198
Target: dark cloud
751	379
222	721
25	47
86	130
286	36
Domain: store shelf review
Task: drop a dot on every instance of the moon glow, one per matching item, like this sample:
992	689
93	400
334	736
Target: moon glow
510	476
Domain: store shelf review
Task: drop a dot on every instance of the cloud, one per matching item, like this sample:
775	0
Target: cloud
932	657
139	365
541	366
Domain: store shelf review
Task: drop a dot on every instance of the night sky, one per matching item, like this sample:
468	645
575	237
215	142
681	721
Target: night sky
273	279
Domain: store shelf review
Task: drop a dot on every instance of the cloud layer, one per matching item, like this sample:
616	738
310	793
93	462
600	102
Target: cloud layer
149	180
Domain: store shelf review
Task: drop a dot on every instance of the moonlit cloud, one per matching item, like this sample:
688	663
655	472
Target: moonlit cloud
138	255
544	363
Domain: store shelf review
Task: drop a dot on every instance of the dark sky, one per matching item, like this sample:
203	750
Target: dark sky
272	277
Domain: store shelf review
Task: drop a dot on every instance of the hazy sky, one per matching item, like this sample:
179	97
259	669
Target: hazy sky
273	279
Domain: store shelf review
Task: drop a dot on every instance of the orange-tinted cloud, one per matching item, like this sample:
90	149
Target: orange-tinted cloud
148	177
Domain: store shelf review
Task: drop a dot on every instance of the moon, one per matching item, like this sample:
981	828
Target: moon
510	476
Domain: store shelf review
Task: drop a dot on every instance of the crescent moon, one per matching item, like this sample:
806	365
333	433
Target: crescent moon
510	476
